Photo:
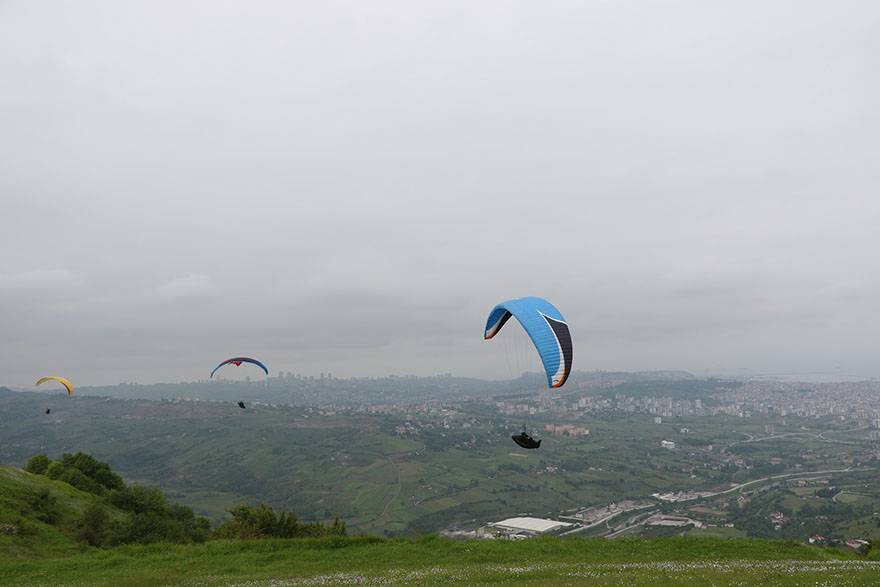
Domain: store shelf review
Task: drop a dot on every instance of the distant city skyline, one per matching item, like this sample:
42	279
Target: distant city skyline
351	188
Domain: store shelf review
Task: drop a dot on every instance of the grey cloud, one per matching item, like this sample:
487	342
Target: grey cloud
351	186
188	287
39	283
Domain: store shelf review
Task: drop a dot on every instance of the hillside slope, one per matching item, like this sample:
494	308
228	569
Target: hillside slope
375	561
38	546
38	516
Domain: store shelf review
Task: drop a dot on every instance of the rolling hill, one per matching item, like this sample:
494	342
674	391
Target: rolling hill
38	546
38	516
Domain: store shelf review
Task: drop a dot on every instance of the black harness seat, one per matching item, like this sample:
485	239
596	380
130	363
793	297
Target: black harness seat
526	441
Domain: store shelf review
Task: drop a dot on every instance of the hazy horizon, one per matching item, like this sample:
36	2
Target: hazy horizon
235	377
350	188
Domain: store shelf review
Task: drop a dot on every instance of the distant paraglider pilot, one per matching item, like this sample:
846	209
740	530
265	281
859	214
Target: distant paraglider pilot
241	405
524	440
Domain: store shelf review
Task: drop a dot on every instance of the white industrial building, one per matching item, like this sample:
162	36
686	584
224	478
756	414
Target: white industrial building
524	527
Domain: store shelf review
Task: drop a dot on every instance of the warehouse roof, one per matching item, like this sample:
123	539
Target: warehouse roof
530	524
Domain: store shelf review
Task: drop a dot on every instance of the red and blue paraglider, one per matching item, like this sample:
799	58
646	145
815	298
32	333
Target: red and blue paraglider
237	361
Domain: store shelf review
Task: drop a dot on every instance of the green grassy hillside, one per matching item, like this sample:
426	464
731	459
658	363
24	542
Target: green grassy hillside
374	561
38	516
38	546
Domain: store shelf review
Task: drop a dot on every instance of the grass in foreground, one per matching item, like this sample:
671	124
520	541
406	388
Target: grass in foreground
548	561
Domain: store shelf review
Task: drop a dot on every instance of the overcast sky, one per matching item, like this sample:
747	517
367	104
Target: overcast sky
351	186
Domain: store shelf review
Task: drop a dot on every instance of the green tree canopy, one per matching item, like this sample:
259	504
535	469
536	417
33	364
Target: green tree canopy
37	464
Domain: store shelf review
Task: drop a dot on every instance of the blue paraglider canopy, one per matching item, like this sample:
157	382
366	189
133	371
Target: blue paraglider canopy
545	326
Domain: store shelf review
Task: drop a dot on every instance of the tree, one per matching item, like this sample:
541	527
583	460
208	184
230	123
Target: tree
93	526
75	477
94	469
81	470
37	464
139	499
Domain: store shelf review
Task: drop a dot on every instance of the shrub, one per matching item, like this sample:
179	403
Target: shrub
37	464
44	505
148	517
93	528
153	519
262	521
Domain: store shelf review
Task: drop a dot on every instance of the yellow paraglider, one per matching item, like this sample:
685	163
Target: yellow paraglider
60	380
